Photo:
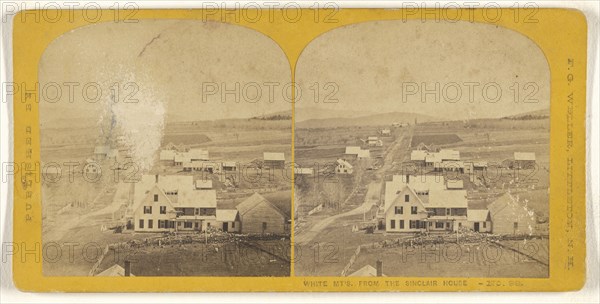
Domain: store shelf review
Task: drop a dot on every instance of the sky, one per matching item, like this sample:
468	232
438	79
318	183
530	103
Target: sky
389	66
179	67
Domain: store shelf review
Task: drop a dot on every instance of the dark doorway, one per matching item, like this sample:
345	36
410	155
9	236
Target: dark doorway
476	227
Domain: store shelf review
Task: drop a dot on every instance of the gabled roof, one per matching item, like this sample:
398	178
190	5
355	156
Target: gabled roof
166	183
454	184
433	158
190	198
197	154
182	158
509	204
167	154
418	155
204	184
525	156
113	271
344	163
478	215
253	201
447	154
399	198
447	199
274	156
364	154
365	271
227	215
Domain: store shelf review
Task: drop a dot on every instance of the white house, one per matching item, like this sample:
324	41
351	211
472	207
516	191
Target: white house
424	203
343	167
170	202
385	132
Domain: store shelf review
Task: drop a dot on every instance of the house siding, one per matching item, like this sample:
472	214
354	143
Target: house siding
253	219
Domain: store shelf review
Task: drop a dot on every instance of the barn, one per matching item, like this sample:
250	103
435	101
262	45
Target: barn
509	216
258	215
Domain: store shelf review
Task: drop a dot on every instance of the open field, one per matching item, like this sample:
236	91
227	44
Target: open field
491	140
78	211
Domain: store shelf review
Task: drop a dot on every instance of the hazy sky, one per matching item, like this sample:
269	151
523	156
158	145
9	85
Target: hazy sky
171	61
386	66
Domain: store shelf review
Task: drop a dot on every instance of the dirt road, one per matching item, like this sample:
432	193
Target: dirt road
374	189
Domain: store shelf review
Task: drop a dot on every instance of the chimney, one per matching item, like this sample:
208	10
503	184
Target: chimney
379	268
156	178
127	268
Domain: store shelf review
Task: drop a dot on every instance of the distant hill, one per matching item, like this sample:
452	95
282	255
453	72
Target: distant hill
539	114
308	113
373	119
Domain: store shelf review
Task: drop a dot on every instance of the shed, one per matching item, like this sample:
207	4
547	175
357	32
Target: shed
524	160
479	220
229	220
258	215
274	159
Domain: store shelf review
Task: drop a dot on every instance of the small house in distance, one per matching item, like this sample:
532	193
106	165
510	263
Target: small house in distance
274	159
343	167
509	216
385	132
374	141
524	160
258	215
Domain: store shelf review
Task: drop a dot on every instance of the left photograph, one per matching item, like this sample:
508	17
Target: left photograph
165	151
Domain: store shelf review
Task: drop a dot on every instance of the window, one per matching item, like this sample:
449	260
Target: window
447	211
459	225
406	198
264	226
232	224
401	224
412	224
163	209
150	224
448	225
187	225
141	224
393	224
484	224
161	224
439	225
147	209
413	210
156	197
516	225
399	210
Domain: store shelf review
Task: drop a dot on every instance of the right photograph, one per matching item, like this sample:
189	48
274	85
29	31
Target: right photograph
422	149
